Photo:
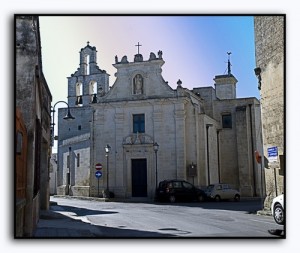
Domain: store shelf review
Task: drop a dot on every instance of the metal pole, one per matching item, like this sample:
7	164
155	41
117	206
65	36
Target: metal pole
70	169
218	147
98	188
107	178
275	181
155	169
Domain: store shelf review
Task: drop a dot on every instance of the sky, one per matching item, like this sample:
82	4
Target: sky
194	47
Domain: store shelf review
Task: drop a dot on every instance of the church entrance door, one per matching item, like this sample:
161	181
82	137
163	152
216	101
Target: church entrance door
139	177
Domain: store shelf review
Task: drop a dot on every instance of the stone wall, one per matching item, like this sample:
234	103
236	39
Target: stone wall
269	52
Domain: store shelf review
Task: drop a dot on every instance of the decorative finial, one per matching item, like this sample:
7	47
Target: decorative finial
88	43
229	64
179	83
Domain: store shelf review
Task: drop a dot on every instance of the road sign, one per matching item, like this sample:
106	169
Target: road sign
98	174
98	166
272	154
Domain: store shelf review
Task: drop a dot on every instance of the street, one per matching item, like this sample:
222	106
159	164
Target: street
156	220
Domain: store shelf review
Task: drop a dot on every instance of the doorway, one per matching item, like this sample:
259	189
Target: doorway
139	177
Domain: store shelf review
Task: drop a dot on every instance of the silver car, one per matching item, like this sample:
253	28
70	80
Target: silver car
221	192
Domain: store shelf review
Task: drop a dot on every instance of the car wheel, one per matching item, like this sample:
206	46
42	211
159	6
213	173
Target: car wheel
200	198
278	214
172	199
217	198
237	198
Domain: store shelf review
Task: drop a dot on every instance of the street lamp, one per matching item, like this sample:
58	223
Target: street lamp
67	117
155	148
207	152
107	150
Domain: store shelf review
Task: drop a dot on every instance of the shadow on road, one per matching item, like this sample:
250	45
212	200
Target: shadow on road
251	206
55	224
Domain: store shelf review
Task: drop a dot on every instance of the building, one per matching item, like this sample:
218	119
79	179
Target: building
270	55
32	132
205	135
84	87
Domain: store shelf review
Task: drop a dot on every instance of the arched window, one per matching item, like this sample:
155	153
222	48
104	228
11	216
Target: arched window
93	91
79	93
87	66
93	88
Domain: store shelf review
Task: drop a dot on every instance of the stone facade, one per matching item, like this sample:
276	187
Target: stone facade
85	87
205	135
33	99
269	52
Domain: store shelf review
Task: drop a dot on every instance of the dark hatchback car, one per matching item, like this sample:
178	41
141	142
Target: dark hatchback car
179	190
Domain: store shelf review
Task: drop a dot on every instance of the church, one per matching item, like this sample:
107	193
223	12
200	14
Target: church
127	138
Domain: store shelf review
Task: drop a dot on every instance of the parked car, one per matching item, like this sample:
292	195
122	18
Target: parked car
219	192
179	190
277	209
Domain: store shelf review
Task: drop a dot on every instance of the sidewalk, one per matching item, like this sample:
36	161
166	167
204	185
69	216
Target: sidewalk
54	224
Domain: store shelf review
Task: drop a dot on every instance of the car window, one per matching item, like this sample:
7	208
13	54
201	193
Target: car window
162	184
187	185
176	184
219	187
210	187
225	187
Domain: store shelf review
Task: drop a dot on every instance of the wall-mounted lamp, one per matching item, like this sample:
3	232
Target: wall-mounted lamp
257	72
67	117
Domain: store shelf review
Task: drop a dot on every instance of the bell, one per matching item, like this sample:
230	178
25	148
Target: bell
94	101
79	100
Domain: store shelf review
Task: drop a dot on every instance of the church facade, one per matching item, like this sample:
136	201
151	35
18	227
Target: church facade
154	132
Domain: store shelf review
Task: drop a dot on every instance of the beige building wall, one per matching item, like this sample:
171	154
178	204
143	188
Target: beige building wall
269	52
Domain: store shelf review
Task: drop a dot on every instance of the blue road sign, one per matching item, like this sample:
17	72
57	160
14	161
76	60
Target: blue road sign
98	174
272	153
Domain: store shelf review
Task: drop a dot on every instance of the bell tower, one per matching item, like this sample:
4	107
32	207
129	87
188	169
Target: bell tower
89	82
225	85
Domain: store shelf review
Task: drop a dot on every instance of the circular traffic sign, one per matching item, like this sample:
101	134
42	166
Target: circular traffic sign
98	174
98	166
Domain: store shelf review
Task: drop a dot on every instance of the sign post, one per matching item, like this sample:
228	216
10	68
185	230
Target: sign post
272	157
98	173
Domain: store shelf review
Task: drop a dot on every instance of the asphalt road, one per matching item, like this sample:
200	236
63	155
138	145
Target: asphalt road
165	220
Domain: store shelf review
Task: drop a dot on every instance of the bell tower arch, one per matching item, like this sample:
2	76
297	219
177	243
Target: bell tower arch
89	82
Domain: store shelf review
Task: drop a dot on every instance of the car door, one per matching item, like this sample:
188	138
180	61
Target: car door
189	191
178	190
227	192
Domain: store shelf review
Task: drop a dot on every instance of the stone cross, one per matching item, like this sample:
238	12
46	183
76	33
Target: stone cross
138	45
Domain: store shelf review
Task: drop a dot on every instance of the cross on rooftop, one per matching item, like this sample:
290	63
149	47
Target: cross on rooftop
138	45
